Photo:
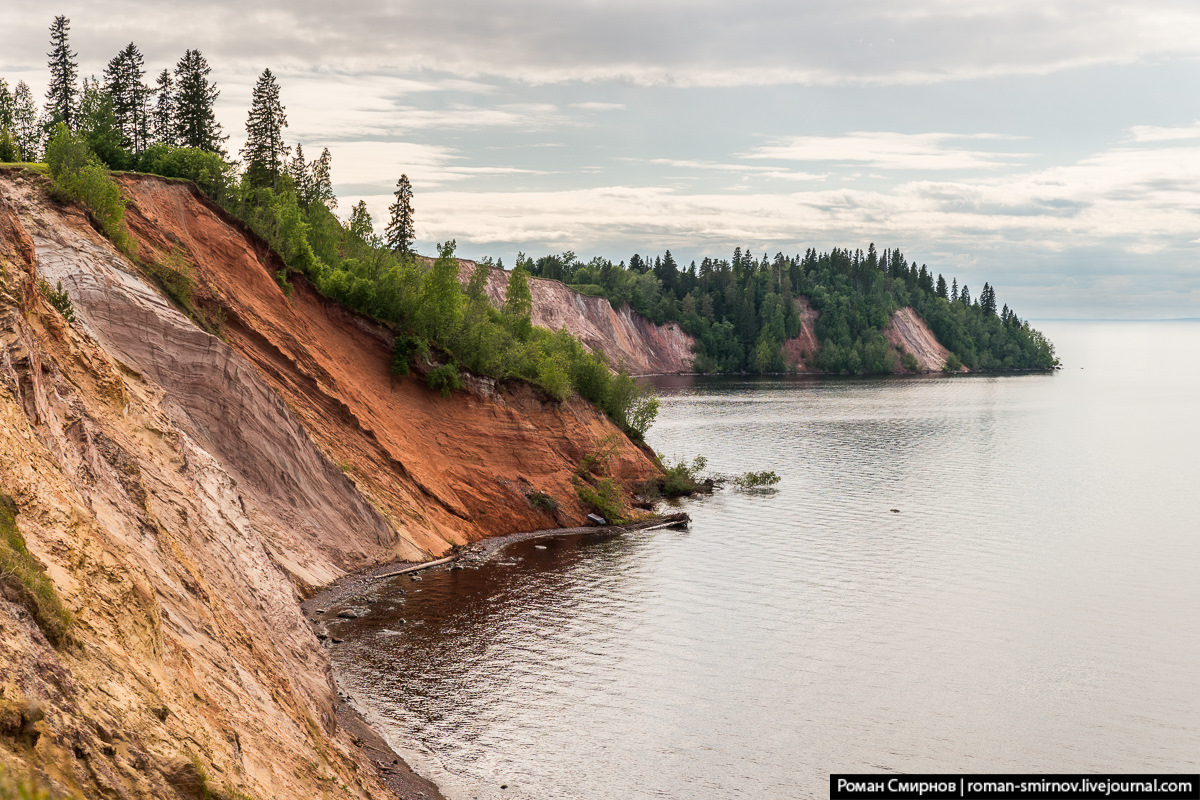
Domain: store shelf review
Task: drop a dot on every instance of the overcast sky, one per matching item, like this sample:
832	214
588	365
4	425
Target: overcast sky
1051	147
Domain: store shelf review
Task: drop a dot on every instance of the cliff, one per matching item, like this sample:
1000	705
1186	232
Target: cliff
908	333
182	491
625	337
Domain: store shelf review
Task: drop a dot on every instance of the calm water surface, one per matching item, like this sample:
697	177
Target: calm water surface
1033	606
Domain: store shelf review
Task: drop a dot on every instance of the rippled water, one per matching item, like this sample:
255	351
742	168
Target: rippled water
1032	606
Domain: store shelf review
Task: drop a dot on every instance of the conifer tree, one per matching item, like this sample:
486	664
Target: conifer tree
954	289
941	286
25	129
400	232
320	180
264	152
360	221
162	119
297	170
196	124
123	80
61	101
987	300
6	106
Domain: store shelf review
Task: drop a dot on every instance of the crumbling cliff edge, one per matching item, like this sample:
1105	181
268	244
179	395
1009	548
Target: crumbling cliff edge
185	473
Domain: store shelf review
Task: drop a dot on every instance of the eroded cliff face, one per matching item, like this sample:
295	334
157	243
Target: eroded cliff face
800	351
909	333
182	491
626	338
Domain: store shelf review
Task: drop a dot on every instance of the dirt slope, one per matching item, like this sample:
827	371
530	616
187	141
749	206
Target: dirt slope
799	352
624	336
909	333
182	489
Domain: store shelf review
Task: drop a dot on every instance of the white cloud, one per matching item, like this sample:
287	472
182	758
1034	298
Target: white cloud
711	42
597	106
887	150
1150	133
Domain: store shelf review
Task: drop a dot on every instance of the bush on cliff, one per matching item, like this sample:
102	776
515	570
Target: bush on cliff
77	175
23	581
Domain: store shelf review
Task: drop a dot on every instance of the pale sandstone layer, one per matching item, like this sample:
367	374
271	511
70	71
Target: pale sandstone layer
626	338
182	490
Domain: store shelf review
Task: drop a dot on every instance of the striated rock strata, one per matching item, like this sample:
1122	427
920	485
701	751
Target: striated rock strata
184	490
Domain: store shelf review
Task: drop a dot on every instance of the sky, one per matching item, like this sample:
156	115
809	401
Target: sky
1050	147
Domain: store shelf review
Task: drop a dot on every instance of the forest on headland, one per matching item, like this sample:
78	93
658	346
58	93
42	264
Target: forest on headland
740	311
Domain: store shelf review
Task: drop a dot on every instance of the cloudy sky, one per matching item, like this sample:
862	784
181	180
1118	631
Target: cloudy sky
1051	147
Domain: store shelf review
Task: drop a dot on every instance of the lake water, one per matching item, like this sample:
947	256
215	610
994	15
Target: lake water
1033	605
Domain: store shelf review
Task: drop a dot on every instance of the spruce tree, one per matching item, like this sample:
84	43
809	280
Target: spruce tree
162	119
6	106
297	170
264	152
25	128
941	286
123	79
400	232
320	180
360	221
61	96
196	124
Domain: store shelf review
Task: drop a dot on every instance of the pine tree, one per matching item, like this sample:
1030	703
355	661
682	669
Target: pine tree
360	221
123	79
964	296
25	129
400	233
954	290
941	286
264	152
162	119
196	124
61	96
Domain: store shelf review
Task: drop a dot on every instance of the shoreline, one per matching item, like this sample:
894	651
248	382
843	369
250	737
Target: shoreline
391	767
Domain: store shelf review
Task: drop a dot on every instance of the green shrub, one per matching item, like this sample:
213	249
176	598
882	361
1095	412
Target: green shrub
405	349
59	299
13	788
909	362
77	175
444	379
206	169
756	480
21	577
542	502
682	479
604	498
953	364
173	272
9	152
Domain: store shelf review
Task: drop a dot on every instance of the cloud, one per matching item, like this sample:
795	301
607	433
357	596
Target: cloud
886	150
710	42
1149	133
596	106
